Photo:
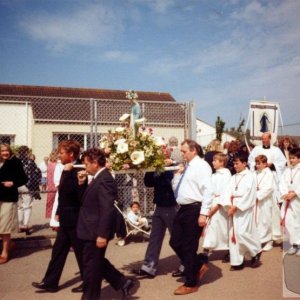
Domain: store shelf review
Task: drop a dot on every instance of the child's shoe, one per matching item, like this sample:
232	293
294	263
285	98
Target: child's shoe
268	246
293	250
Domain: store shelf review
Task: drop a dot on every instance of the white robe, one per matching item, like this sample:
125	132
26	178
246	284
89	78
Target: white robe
216	233
242	225
276	157
292	217
264	195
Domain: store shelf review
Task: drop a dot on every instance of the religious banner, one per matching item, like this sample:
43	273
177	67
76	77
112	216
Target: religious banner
263	116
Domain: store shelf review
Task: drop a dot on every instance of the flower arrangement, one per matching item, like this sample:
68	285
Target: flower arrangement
132	146
142	151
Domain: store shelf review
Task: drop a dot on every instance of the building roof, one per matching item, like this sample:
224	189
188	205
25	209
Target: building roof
77	105
66	92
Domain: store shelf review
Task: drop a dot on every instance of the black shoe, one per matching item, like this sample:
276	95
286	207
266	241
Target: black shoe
237	268
177	273
126	288
255	261
226	258
143	273
78	289
42	286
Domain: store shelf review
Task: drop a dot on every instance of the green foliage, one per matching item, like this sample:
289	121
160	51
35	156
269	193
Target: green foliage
237	132
220	124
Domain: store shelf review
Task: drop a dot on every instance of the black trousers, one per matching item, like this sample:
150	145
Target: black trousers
66	237
95	268
185	241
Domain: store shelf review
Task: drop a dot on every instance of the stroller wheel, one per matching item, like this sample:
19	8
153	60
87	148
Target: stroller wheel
121	242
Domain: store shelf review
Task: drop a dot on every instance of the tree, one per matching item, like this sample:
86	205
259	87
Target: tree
237	132
220	124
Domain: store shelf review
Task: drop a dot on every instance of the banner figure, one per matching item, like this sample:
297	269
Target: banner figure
263	117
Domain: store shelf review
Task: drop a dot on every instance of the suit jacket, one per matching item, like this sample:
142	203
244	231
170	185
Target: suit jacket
163	191
69	198
12	170
97	211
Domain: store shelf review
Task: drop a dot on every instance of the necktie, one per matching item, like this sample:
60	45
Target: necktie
180	181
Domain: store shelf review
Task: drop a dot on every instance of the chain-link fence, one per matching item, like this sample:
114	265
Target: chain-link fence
42	122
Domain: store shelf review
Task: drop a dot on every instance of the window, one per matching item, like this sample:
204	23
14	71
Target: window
7	139
83	138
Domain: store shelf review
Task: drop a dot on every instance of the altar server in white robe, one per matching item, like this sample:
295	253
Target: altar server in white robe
277	164
290	193
216	233
241	200
264	198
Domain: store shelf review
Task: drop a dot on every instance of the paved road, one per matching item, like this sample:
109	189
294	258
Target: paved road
29	263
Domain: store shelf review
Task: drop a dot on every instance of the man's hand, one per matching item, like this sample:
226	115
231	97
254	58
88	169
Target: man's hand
202	220
101	242
7	184
82	177
68	167
168	161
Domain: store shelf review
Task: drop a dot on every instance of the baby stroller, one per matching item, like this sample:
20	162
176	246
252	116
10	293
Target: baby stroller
131	229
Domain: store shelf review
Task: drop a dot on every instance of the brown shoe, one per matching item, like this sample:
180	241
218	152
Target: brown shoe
184	290
204	268
3	260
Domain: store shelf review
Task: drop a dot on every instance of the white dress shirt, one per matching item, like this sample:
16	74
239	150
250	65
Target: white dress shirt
196	185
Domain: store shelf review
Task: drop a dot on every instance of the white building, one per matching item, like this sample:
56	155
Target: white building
206	133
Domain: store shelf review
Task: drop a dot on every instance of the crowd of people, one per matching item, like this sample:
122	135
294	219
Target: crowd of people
233	198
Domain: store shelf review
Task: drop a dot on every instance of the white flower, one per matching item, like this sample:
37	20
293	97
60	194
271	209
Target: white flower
120	141
144	133
104	144
137	157
122	148
120	129
139	121
159	141
124	117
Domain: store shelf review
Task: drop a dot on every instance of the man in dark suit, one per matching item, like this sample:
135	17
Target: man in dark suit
67	214
95	225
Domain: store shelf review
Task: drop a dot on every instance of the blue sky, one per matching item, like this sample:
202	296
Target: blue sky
220	54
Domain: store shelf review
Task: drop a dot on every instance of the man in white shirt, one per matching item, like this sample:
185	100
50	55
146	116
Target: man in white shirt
193	191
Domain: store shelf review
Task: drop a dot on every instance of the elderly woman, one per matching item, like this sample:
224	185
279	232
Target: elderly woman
12	176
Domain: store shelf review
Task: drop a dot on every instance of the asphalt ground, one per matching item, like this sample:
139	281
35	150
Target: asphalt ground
29	262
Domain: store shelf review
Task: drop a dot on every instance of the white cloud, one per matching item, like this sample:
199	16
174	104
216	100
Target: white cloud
119	56
89	25
159	6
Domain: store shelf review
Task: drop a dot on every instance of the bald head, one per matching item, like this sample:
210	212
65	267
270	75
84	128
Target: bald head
266	139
